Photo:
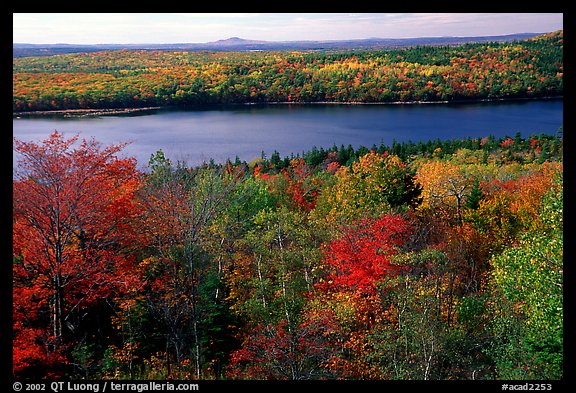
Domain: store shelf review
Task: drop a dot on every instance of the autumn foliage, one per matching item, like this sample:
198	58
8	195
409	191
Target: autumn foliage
420	260
73	210
141	78
306	268
362	256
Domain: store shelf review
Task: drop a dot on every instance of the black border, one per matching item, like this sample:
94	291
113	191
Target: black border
458	386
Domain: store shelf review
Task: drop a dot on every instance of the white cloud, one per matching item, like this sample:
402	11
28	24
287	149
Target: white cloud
91	28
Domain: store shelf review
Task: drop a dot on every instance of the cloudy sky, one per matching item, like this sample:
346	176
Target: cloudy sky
138	28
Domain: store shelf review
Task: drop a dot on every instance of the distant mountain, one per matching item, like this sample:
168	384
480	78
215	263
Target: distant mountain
240	44
236	41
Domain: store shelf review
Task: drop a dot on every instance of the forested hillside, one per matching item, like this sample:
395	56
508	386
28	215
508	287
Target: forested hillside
434	260
143	78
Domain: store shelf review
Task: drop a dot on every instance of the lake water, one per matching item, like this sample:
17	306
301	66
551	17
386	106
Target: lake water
195	136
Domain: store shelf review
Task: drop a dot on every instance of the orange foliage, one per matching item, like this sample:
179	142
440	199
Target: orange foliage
73	209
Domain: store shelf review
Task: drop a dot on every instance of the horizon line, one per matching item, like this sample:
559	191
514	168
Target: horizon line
285	41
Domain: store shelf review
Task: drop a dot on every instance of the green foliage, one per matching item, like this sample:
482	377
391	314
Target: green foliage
529	278
286	254
370	187
476	195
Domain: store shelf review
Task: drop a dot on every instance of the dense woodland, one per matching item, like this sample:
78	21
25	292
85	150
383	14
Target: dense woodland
429	260
144	78
435	260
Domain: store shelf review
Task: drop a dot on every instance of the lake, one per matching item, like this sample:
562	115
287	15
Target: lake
221	133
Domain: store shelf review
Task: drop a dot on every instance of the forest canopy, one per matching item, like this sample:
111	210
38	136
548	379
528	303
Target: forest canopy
143	78
427	260
439	260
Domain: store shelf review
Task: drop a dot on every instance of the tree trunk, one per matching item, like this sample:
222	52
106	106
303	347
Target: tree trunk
58	308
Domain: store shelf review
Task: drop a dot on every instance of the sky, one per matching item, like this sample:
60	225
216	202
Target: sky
157	28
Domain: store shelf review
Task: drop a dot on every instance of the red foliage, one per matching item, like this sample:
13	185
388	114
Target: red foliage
333	167
72	211
507	142
262	175
536	145
283	352
361	257
302	187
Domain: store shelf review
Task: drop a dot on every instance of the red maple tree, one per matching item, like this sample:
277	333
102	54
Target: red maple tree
72	207
362	256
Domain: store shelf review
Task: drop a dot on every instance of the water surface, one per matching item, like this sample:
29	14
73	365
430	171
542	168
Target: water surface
245	131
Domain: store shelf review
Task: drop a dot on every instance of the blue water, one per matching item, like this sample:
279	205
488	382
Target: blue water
195	136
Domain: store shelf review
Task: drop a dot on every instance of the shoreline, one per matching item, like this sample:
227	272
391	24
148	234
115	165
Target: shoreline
471	101
85	112
121	111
